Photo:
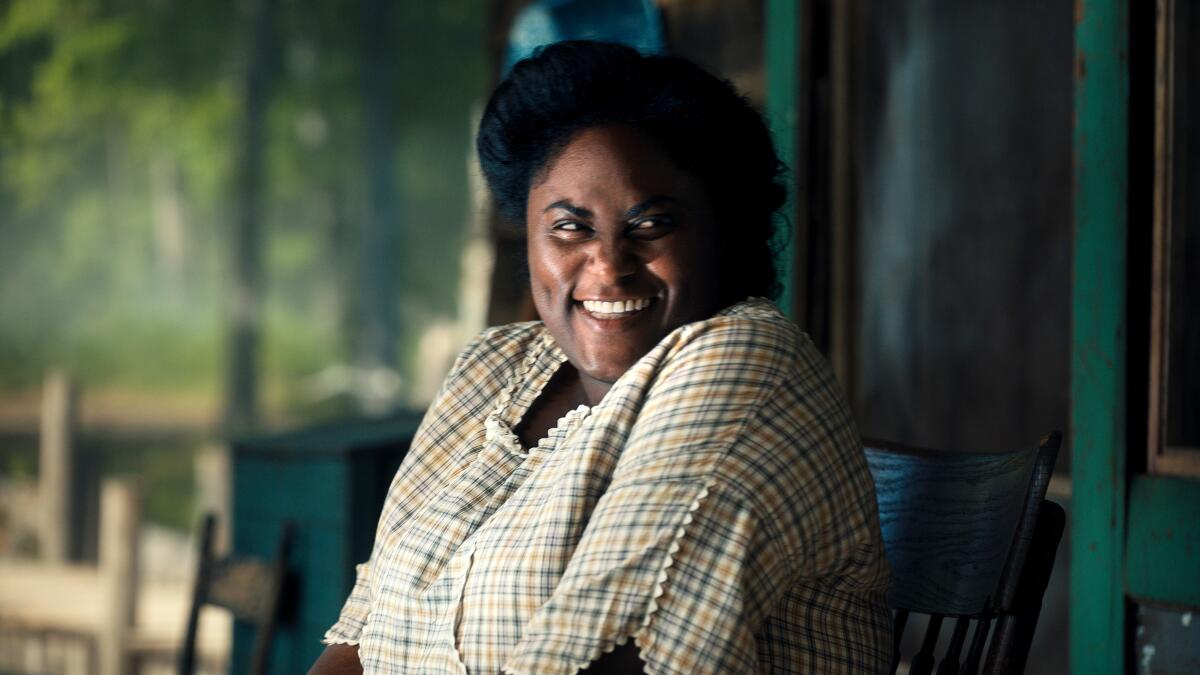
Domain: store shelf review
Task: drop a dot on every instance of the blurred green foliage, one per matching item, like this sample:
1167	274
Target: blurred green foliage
118	132
166	476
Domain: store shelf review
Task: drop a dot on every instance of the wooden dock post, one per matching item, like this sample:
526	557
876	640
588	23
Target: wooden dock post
56	467
214	486
120	520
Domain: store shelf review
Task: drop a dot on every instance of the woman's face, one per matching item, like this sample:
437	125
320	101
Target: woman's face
621	251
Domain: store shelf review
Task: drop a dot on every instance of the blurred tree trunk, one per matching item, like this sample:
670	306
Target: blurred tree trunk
508	298
246	255
375	351
169	220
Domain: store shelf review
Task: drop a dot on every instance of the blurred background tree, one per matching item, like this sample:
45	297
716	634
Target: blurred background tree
127	187
121	135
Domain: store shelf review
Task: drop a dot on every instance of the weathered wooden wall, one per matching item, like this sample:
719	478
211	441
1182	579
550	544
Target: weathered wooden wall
963	172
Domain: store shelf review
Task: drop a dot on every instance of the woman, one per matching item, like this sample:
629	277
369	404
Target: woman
661	473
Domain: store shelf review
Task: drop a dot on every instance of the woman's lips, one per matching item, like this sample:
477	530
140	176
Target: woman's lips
616	307
615	310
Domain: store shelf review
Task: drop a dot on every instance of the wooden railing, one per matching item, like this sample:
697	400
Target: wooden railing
69	613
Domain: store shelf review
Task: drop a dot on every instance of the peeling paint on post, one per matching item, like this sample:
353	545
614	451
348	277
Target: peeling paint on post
1097	632
783	87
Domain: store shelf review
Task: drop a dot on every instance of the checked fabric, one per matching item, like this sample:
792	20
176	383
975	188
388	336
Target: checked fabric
715	507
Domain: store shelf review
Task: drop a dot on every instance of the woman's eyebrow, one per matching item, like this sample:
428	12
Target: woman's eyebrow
569	208
641	208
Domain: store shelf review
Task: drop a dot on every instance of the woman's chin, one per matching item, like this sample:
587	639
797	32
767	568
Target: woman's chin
607	368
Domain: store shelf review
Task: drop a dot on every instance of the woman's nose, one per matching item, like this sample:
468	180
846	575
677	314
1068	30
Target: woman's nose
613	260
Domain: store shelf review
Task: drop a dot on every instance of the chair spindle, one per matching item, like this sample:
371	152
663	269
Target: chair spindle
949	664
898	623
977	642
923	662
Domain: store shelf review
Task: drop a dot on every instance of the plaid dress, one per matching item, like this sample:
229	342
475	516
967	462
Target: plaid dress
715	507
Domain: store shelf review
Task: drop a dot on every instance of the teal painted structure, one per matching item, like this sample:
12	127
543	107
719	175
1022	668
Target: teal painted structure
782	59
330	481
1162	550
1098	355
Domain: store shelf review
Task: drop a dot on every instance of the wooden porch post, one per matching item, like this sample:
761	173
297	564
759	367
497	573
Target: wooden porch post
1098	358
57	467
782	37
120	520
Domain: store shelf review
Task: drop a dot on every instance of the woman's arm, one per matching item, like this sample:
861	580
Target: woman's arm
337	660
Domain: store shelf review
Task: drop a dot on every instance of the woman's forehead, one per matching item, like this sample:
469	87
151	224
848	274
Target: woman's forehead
611	162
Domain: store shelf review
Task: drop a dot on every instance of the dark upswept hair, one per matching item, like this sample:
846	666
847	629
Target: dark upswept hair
700	121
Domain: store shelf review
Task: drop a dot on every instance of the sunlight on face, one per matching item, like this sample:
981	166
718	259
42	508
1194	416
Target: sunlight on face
621	250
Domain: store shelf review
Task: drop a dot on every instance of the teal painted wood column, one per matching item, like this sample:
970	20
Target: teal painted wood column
1162	548
1098	314
783	95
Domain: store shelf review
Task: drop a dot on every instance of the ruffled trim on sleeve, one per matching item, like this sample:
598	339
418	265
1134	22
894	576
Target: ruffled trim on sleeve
643	632
669	560
652	607
355	611
566	425
497	429
331	639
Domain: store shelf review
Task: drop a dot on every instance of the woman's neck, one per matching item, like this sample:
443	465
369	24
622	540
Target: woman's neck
593	389
562	394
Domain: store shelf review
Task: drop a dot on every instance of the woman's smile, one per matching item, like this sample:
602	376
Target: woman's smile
615	317
615	309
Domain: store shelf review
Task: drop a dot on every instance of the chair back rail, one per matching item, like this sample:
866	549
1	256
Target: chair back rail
1047	455
948	521
1016	626
969	539
249	587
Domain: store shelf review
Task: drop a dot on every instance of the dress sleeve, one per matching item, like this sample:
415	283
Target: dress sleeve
674	555
354	613
433	449
741	481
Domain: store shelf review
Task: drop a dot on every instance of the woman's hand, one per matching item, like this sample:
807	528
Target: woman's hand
337	660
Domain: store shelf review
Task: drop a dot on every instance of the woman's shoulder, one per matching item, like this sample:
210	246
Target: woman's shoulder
707	381
498	348
485	368
752	324
762	345
749	341
759	378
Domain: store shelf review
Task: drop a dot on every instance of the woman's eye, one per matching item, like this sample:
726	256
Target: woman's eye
651	226
569	228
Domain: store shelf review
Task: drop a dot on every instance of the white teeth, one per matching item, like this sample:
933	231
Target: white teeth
616	307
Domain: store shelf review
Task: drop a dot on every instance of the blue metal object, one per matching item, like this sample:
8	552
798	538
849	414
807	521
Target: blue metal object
636	23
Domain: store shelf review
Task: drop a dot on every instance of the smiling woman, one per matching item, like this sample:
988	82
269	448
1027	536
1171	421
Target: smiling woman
661	474
620	243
